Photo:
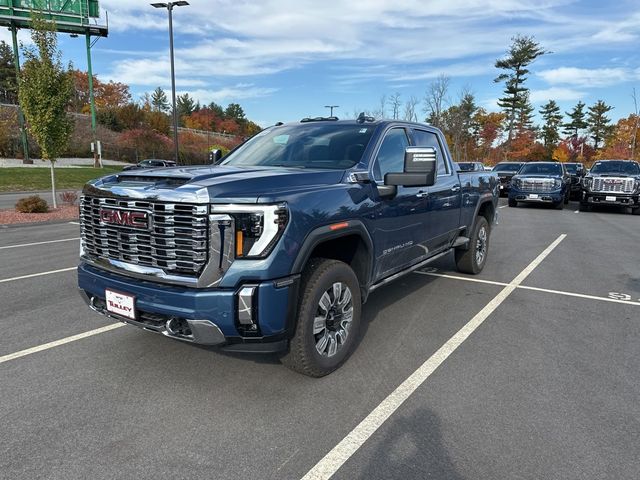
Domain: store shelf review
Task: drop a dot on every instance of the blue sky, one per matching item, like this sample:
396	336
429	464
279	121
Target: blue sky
285	59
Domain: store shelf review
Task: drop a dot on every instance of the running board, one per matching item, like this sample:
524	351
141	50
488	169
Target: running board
395	276
461	242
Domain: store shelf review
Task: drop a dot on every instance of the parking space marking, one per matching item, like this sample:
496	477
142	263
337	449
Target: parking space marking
32	275
350	444
74	223
57	343
504	206
39	243
536	289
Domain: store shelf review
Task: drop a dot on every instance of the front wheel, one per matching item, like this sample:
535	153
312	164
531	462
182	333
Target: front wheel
559	205
473	259
328	318
513	202
584	207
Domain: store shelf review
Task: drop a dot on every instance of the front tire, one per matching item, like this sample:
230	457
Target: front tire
513	202
473	260
584	207
328	318
559	205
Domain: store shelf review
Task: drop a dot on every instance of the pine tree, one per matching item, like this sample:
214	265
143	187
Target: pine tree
552	120
523	51
159	100
185	105
8	81
577	123
598	123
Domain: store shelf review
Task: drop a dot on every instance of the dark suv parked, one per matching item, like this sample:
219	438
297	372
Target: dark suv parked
577	171
505	171
612	183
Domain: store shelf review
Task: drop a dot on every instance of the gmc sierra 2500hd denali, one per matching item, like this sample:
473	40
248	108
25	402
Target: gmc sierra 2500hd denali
276	248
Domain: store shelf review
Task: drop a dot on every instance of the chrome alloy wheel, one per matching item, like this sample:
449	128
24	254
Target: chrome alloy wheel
333	319
481	246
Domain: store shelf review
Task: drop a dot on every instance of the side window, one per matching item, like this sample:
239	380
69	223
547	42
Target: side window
423	138
390	157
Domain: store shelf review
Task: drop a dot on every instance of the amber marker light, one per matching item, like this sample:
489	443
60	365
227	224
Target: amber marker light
338	226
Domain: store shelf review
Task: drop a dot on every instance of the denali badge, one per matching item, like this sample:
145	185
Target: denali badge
126	218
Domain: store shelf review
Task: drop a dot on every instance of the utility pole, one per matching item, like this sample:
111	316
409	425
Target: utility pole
23	130
169	6
97	161
331	107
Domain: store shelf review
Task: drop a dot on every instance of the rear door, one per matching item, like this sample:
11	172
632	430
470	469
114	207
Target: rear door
444	198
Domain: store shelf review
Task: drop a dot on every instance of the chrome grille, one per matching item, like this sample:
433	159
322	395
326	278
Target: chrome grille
176	239
537	184
613	184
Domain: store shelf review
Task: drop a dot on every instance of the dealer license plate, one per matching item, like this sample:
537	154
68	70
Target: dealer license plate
610	199
533	196
121	304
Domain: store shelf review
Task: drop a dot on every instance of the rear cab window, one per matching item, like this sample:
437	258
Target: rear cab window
424	138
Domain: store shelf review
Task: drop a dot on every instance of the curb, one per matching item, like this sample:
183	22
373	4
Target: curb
32	224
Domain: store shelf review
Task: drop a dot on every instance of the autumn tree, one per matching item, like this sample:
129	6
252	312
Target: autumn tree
45	87
577	121
550	132
624	136
185	105
458	126
159	101
523	51
599	124
8	81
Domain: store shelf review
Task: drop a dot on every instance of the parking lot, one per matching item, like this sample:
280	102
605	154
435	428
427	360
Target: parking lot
529	370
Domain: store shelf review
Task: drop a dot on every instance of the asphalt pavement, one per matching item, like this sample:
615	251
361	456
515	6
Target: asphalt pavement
545	385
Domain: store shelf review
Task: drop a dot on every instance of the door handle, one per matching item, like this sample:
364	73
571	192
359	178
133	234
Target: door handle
422	194
455	188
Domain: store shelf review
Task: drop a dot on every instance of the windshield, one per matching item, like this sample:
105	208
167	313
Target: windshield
626	168
571	167
466	166
540	169
313	145
507	167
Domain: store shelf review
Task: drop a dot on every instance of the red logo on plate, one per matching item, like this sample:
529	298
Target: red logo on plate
126	218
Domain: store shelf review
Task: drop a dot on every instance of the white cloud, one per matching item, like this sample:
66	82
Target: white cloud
587	78
230	94
556	93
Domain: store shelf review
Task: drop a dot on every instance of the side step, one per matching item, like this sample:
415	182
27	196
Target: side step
461	242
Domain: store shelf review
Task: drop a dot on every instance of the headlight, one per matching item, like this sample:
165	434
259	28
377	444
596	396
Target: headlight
636	185
557	183
516	182
587	182
257	227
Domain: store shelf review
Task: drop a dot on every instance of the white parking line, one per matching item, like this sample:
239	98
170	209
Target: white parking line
74	223
350	444
504	206
22	277
536	289
39	243
57	343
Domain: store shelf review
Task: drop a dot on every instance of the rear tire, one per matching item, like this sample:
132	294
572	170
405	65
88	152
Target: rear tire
328	318
559	205
473	260
584	207
636	211
513	202
566	198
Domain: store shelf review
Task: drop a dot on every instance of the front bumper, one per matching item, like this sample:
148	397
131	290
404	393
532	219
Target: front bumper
207	316
613	199
536	197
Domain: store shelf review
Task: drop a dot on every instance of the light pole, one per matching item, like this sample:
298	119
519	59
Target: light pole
169	6
331	107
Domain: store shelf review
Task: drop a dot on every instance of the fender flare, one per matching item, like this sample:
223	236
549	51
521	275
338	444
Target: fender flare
330	232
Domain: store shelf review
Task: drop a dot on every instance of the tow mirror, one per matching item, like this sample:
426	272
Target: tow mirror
420	168
215	156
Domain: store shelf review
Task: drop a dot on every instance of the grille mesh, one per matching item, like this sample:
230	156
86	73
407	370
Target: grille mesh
176	240
537	185
621	185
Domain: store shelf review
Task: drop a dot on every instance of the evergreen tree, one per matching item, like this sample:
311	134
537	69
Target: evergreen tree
8	81
552	120
577	122
523	51
235	112
159	101
598	123
185	105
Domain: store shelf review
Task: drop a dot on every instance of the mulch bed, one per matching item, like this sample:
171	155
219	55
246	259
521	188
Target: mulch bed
67	212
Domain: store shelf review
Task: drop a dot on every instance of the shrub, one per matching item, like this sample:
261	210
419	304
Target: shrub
70	198
33	204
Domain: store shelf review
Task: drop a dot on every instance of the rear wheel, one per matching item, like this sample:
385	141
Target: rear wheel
566	198
513	202
328	318
559	205
473	259
585	207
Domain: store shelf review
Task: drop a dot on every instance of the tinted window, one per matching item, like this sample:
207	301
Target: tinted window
627	168
571	167
541	169
310	145
390	157
507	167
423	138
466	166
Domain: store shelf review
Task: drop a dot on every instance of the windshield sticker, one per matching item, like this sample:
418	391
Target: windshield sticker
281	139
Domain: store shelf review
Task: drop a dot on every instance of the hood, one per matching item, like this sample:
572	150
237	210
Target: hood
538	175
215	183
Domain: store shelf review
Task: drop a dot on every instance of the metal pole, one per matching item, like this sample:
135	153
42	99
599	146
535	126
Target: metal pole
23	130
96	157
173	84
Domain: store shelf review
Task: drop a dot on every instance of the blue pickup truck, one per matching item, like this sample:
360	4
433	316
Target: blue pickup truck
276	248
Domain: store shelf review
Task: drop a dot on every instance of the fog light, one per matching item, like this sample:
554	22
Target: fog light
246	310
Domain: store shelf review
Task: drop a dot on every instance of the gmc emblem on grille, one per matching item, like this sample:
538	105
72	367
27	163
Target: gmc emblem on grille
126	218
